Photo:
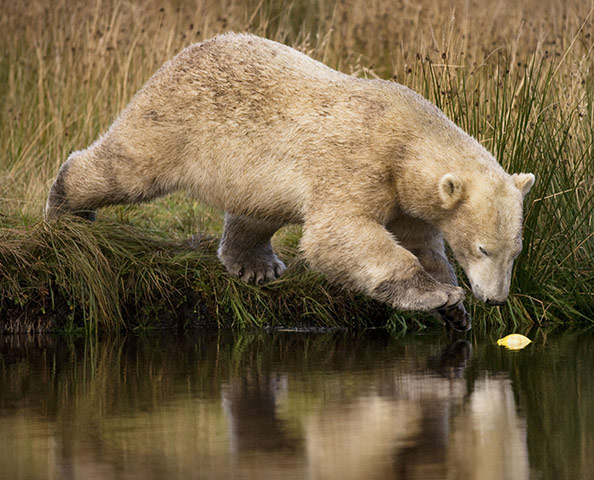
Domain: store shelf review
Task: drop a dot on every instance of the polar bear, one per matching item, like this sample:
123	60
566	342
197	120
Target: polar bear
377	175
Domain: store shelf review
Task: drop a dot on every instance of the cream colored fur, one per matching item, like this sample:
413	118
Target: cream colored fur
374	172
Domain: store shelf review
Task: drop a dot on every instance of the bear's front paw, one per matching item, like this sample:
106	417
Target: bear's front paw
455	317
420	292
257	270
440	296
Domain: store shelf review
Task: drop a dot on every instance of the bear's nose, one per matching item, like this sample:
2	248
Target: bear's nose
495	303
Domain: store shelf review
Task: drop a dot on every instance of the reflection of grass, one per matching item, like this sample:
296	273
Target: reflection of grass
518	78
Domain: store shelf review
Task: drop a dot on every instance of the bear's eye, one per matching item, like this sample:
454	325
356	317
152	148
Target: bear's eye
483	251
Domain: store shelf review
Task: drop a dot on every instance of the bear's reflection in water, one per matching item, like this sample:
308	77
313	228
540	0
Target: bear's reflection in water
253	405
423	425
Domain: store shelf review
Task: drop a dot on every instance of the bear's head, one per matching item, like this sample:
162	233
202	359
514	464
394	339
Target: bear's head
483	227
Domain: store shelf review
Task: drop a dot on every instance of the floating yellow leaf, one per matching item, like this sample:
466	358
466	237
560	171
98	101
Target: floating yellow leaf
515	341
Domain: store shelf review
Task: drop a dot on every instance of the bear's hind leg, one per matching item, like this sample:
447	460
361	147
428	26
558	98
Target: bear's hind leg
60	200
246	252
105	174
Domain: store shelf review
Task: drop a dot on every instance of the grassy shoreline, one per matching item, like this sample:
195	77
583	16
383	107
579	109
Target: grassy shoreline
517	77
74	275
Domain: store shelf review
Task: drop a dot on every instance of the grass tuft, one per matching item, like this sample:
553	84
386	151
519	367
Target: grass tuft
76	275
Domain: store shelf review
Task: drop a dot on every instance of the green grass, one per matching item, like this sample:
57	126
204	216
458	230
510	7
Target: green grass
75	275
518	78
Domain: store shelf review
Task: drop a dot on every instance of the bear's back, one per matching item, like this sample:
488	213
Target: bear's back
245	53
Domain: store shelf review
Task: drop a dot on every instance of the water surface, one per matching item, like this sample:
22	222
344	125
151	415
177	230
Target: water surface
287	405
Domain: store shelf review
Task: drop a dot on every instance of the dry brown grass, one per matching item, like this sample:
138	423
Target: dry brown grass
67	70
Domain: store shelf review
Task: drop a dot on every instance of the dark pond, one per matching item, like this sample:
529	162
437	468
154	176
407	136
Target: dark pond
286	405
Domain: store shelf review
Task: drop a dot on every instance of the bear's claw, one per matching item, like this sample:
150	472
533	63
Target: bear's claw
445	298
258	271
455	296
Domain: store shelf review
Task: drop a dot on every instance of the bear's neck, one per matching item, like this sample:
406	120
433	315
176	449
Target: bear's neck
418	196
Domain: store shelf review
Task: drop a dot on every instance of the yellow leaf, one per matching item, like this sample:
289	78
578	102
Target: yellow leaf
514	341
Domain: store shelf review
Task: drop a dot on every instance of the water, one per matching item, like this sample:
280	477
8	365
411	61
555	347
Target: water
286	405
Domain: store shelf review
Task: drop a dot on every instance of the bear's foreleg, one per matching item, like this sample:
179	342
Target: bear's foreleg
361	254
426	243
245	249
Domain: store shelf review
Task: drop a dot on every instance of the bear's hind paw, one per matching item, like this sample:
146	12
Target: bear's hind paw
257	271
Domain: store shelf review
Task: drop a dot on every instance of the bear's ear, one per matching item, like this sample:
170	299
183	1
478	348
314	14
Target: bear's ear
450	190
523	182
